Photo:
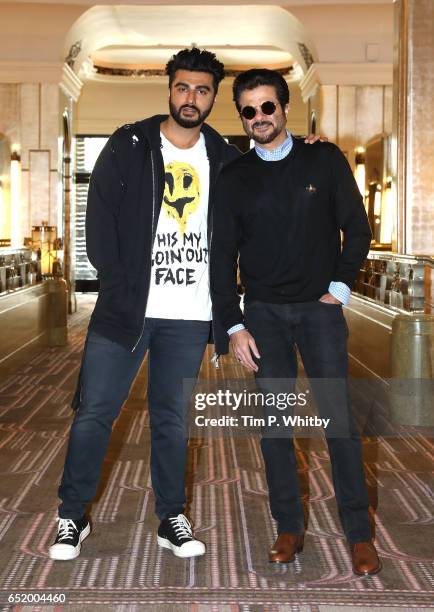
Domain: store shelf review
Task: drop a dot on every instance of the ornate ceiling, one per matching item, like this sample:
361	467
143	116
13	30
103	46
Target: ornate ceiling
136	41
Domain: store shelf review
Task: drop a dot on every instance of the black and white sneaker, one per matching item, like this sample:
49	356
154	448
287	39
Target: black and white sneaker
70	535
175	533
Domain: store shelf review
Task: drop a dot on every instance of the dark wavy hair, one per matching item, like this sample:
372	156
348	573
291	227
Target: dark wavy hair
196	60
250	79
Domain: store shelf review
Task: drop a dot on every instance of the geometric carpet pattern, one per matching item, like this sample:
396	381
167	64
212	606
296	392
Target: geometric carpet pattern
122	568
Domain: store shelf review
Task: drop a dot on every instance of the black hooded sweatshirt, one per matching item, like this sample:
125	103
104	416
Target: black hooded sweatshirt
124	201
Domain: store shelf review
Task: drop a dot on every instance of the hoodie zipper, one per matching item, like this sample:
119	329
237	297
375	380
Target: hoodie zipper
152	246
215	358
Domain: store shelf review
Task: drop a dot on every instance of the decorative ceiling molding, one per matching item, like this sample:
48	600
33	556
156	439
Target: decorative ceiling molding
286	71
42	72
309	83
129	72
306	55
161	72
362	73
73	53
101	27
70	84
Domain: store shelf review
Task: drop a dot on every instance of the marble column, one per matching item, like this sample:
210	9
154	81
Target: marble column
413	127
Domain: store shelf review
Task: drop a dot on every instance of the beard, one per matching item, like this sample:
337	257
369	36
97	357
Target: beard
263	138
269	136
189	122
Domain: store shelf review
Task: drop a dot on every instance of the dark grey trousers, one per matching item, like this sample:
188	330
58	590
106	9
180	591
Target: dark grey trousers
176	349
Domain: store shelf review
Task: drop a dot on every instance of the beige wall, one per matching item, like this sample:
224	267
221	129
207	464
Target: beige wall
29	117
341	33
102	107
413	125
34	32
350	115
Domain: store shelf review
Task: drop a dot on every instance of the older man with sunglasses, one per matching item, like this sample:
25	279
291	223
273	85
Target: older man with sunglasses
281	209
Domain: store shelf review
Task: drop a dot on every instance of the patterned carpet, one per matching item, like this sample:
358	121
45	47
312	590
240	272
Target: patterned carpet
121	567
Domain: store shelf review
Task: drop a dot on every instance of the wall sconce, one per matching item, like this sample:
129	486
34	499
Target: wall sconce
16	241
44	240
377	203
5	221
359	172
2	210
387	210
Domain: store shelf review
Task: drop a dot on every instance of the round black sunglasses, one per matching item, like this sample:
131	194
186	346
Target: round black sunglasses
267	108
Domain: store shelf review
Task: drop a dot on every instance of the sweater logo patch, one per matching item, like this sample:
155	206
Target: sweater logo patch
311	188
181	192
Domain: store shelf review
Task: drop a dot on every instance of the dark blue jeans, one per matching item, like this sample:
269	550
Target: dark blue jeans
176	349
320	332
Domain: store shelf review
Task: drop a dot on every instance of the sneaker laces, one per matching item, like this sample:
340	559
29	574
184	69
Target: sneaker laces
65	529
181	527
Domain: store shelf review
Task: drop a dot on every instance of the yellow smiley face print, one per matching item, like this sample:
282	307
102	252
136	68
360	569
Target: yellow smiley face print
181	192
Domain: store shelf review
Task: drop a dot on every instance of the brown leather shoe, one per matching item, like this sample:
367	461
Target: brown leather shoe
285	548
365	559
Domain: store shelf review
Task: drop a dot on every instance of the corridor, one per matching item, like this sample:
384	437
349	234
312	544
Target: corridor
121	565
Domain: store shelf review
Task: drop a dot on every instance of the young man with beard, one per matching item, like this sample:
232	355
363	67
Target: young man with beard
147	236
280	209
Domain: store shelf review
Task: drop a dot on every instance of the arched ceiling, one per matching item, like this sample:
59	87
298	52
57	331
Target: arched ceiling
114	42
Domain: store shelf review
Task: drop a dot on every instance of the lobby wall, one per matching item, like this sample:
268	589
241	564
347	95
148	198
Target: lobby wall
29	118
350	115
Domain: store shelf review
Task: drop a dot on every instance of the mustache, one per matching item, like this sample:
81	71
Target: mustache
189	106
261	124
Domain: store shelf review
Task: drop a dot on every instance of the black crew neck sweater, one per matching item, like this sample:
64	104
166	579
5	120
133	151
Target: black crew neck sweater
284	219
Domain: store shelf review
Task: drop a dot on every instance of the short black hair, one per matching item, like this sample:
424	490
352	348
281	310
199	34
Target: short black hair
196	60
250	79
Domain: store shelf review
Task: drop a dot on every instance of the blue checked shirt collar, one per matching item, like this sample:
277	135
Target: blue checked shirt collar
276	154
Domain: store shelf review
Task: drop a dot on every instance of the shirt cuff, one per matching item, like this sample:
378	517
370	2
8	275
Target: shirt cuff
340	291
235	328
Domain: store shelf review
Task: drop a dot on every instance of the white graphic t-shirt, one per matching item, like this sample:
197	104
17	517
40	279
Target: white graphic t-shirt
179	286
